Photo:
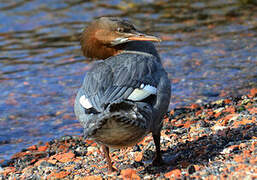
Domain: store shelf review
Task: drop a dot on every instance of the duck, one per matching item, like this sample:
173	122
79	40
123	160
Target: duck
126	92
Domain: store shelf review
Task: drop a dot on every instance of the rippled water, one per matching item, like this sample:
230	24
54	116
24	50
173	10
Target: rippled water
209	50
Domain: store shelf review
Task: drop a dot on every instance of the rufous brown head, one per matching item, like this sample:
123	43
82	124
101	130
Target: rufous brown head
107	36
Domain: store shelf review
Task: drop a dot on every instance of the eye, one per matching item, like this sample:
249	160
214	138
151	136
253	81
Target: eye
119	29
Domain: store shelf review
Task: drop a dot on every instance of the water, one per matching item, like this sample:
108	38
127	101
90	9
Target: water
209	50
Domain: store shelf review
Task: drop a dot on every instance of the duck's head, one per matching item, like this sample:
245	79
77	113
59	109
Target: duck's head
106	36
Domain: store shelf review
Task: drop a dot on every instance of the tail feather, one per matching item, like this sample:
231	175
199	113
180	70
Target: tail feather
135	114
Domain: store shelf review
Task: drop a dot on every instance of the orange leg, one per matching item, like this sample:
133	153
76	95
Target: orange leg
105	149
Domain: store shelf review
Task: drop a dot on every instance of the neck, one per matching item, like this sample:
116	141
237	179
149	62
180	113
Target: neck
140	46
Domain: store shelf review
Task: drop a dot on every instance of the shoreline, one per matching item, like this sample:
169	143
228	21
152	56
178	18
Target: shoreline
214	140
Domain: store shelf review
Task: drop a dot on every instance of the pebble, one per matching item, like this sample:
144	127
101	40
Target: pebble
190	169
195	145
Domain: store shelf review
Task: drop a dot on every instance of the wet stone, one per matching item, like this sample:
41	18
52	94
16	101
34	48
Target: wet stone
203	123
194	151
137	164
180	111
136	148
45	163
190	169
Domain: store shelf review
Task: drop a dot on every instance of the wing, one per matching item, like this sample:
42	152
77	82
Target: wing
126	76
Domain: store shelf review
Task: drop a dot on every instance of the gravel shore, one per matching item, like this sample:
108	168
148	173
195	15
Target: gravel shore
214	140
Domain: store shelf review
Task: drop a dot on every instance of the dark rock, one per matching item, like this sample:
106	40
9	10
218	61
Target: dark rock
190	169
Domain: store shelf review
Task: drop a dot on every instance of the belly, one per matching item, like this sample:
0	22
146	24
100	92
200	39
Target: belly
118	134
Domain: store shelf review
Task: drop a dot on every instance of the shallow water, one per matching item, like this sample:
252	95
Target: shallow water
209	49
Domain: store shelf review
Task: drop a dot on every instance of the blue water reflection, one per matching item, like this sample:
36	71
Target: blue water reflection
209	50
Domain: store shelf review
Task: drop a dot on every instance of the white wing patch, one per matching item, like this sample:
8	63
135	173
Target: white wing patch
85	102
141	93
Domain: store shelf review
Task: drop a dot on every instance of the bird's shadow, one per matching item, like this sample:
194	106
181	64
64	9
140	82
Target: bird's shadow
202	150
